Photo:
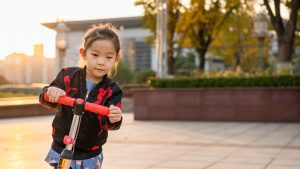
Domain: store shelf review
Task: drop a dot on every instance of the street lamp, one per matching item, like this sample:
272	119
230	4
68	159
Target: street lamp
261	32
161	38
61	43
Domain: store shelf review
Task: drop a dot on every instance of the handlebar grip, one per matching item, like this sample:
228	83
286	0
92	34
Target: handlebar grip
95	108
91	107
65	100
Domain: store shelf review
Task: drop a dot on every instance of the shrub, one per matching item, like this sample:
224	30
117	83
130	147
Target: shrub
124	73
184	65
258	81
143	75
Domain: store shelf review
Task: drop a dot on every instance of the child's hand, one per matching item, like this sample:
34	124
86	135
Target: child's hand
115	114
54	93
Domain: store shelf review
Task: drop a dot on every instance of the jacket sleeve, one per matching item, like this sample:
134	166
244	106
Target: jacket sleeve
57	82
115	100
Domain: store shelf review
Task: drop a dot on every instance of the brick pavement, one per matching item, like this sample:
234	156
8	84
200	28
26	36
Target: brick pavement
164	145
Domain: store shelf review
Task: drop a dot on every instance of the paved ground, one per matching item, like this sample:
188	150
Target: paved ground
12	101
164	145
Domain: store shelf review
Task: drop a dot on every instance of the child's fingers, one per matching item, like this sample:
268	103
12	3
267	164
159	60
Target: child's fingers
112	115
56	97
115	111
115	115
54	93
50	95
59	94
112	107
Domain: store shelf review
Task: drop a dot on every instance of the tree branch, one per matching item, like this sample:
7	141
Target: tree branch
226	15
272	17
278	16
291	25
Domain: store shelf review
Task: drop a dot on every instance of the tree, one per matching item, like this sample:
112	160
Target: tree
150	22
202	21
285	31
3	80
185	65
235	41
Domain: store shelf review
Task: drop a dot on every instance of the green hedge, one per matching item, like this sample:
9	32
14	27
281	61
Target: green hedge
268	81
123	74
143	75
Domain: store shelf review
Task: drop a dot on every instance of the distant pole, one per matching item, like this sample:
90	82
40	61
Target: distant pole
261	32
61	43
161	38
45	71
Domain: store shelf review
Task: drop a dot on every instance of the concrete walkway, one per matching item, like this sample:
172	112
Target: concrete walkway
24	143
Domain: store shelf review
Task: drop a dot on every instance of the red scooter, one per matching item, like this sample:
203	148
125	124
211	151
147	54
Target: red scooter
79	105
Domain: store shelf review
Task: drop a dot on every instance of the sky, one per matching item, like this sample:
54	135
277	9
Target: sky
21	20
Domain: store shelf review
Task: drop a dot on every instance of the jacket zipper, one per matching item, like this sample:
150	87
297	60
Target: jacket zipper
87	95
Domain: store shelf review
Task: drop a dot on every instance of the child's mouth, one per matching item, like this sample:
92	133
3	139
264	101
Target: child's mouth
99	70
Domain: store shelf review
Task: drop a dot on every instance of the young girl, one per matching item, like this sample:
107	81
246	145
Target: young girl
100	51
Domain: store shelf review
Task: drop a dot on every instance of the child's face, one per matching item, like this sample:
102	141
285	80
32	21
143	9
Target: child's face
100	58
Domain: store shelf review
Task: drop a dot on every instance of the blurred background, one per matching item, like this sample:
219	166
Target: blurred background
208	61
194	38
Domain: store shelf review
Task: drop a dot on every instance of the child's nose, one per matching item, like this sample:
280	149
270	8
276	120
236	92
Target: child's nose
100	61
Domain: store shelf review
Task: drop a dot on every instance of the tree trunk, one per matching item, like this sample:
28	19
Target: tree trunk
173	17
237	61
171	59
201	54
202	49
285	48
285	32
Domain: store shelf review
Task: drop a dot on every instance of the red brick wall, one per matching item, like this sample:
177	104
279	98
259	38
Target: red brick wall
218	104
24	110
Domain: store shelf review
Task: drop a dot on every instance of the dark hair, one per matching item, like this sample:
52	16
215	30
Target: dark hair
101	32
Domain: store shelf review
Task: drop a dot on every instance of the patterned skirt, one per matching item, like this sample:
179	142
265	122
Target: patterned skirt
93	163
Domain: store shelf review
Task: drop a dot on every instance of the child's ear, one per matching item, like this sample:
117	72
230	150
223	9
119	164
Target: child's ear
82	53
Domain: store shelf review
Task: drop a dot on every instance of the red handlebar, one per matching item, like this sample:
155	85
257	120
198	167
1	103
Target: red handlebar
91	107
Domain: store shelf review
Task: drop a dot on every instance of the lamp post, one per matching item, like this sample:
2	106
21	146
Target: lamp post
261	32
61	43
161	38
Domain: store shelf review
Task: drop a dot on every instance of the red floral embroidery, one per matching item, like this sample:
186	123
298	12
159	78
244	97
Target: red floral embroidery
119	105
95	147
67	82
101	126
100	132
99	120
103	95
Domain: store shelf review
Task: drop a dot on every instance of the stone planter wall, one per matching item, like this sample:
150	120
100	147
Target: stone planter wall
218	104
21	107
25	110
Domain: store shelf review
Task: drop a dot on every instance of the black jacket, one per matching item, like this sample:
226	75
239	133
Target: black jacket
93	128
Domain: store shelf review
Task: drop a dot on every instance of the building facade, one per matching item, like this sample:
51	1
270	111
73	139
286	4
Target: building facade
25	69
135	51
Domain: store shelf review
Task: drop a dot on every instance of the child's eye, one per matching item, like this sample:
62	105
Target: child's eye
108	57
94	54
